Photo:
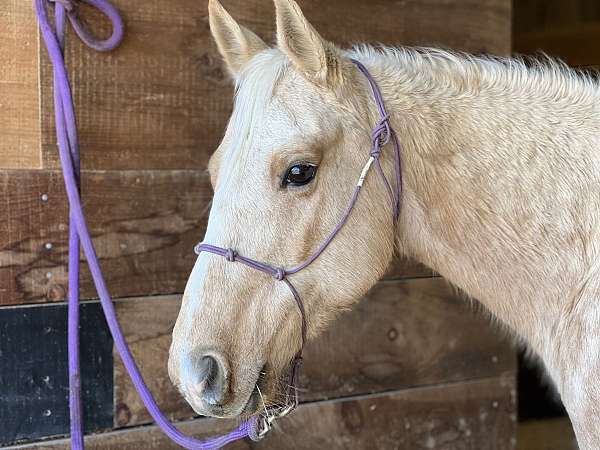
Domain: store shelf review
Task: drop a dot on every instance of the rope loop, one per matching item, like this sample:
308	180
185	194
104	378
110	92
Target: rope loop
86	36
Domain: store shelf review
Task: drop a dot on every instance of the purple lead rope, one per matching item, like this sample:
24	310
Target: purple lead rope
69	156
66	132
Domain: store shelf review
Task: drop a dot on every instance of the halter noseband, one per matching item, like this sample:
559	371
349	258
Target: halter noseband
382	134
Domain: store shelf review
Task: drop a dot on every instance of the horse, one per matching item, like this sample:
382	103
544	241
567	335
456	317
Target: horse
500	195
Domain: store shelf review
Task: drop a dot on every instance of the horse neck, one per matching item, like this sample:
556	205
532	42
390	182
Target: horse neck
459	206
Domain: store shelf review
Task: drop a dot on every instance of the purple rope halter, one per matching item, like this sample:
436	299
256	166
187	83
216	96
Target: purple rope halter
66	131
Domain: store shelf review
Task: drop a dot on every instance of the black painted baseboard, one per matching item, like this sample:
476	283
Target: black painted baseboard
33	371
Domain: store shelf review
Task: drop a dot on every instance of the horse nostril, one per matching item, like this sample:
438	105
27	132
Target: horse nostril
210	376
206	368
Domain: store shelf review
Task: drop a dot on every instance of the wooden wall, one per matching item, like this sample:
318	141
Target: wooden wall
568	29
421	369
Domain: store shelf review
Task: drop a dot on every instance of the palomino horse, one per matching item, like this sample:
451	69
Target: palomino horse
501	196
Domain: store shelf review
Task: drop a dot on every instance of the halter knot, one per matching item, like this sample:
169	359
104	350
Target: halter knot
230	255
69	5
279	273
380	135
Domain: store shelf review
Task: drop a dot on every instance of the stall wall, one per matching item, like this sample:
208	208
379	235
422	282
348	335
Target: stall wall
412	366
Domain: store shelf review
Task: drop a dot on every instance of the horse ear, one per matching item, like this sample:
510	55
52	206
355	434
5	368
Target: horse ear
236	43
316	59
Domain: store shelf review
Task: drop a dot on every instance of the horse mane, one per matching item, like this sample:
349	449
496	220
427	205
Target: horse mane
545	77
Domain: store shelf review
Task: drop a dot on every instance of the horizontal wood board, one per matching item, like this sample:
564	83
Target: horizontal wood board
161	100
569	30
144	226
19	91
472	415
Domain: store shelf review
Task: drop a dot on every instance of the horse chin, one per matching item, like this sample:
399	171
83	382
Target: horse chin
256	400
268	386
248	409
252	407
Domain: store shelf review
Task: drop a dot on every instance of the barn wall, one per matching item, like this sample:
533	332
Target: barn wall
410	364
19	111
569	30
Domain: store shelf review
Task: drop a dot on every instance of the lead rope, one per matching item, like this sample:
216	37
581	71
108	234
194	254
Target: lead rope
66	132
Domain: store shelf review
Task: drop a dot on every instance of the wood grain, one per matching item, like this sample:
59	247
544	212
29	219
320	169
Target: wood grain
473	415
19	105
144	225
567	30
403	334
577	45
161	100
29	272
530	15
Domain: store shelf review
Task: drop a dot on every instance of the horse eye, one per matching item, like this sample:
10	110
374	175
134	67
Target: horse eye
299	174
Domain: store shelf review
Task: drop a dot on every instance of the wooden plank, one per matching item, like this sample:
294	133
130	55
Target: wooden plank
19	105
33	371
385	343
34	215
547	434
162	99
477	26
144	225
470	415
567	30
538	15
577	44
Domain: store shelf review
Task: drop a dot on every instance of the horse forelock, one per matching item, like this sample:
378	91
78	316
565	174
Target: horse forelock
254	90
